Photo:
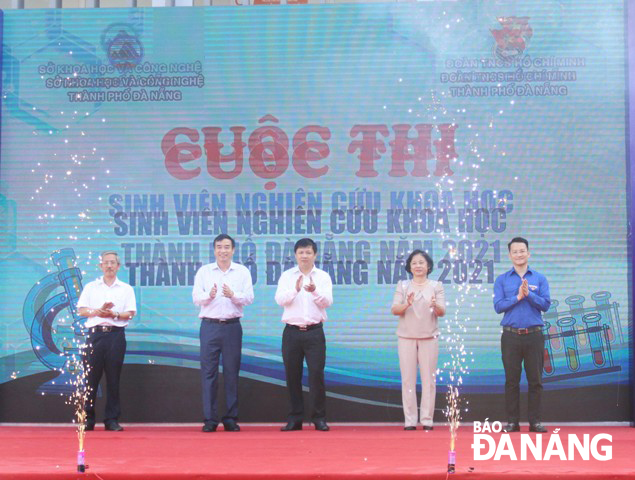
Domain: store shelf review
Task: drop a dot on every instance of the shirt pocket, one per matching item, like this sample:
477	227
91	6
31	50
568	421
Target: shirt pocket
511	291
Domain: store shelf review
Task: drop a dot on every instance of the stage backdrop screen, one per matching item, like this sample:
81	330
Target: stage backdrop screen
450	126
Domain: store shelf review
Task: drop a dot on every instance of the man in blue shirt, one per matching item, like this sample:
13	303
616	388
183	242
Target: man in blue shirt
522	294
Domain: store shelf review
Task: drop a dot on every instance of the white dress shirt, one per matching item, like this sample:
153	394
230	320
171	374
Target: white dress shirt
237	277
304	308
96	293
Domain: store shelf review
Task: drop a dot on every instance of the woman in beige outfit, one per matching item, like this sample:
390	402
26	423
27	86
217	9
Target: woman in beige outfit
418	303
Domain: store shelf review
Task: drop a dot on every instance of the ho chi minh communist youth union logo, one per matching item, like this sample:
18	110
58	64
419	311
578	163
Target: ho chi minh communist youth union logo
513	37
122	46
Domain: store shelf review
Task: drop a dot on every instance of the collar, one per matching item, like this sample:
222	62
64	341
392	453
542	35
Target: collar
296	269
529	270
116	283
232	266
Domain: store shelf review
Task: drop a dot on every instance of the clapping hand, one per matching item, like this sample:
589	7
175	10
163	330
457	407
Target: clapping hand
525	287
227	292
310	287
523	291
298	283
105	310
410	299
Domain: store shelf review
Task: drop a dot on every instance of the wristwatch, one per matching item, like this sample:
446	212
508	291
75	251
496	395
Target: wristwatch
117	316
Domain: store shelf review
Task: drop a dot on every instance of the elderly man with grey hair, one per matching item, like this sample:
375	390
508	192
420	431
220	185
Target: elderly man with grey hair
109	304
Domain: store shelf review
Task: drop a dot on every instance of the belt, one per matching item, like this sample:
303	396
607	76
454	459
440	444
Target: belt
522	331
105	328
221	321
304	328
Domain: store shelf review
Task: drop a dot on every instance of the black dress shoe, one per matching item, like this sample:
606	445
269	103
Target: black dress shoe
511	427
113	427
427	428
209	427
291	426
538	428
321	425
410	428
231	426
89	427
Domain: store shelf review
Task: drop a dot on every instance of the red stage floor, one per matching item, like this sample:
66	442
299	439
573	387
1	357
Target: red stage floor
257	452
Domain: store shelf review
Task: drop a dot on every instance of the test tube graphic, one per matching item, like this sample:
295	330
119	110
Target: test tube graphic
605	308
594	332
550	317
569	334
548	367
576	310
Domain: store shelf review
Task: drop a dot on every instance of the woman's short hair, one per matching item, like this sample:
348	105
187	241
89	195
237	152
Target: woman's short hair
425	255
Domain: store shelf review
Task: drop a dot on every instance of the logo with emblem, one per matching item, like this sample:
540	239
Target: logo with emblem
122	46
513	37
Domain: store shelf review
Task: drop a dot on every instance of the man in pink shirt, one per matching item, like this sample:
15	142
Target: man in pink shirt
305	292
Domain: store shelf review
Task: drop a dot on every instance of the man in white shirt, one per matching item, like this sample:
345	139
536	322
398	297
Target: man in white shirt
109	304
221	289
305	292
